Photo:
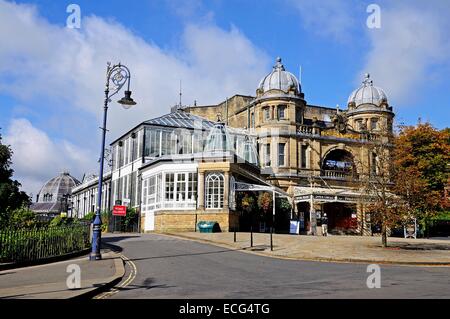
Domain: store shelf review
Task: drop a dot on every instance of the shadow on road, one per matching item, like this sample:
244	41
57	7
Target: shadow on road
147	285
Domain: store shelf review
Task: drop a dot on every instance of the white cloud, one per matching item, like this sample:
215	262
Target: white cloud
413	40
36	158
66	68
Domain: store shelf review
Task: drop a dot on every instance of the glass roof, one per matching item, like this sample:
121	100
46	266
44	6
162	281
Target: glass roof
183	120
219	140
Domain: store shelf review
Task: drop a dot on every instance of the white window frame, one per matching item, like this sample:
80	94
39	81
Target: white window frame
214	190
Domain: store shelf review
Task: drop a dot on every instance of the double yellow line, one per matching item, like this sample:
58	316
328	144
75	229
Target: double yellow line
125	283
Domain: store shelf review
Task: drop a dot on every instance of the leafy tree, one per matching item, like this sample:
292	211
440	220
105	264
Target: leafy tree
381	203
421	158
11	198
22	218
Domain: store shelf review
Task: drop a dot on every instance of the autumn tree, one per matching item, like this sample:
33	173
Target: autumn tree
421	156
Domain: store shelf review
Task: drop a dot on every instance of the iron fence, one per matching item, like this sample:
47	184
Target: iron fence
27	245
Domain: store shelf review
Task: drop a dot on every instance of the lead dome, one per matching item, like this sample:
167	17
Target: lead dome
279	79
367	93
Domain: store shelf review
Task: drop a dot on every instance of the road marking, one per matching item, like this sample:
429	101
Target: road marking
130	279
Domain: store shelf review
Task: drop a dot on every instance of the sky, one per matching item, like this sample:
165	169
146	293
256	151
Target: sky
52	77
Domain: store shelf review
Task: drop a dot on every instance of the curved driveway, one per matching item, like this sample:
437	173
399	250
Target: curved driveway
168	267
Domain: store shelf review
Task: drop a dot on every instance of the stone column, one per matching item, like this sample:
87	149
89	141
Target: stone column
201	191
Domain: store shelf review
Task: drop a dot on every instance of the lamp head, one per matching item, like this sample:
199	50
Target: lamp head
127	101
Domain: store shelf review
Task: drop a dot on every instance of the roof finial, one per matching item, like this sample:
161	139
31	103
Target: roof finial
367	80
278	65
181	93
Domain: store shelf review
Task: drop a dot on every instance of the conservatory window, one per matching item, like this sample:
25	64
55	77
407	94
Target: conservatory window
181	187
214	190
170	186
192	186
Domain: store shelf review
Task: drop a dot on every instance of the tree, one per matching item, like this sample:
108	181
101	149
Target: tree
11	198
421	156
376	174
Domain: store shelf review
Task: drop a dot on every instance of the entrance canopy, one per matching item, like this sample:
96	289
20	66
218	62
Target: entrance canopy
256	187
325	195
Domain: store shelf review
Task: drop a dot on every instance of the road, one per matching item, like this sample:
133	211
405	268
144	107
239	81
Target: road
167	267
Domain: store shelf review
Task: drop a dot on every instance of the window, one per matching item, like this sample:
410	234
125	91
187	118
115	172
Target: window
152	142
282	112
168	143
373	124
134	148
281	154
374	168
252	119
267	161
298	115
170	186
266	112
360	125
303	156
214	190
139	144
126	151
120	155
192	186
181	187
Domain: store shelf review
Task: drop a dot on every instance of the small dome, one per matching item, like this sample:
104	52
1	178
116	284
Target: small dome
57	187
367	94
219	140
279	79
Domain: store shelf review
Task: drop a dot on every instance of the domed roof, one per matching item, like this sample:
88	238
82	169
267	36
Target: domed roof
367	93
279	79
57	187
219	140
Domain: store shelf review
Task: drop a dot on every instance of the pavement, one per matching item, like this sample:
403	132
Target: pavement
160	266
363	249
49	281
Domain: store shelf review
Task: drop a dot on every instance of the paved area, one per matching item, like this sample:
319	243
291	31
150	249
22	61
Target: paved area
50	281
169	267
335	248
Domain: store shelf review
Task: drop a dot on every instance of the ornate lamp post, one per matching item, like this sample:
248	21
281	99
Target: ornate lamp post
117	75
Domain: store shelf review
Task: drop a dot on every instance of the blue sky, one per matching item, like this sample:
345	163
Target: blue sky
51	77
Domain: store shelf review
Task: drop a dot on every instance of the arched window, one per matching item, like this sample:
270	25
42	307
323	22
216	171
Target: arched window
214	190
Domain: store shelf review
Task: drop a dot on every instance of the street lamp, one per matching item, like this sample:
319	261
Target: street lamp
117	75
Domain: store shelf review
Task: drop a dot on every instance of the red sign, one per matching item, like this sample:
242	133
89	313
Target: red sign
119	210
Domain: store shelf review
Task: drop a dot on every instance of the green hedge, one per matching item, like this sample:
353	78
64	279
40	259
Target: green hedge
22	245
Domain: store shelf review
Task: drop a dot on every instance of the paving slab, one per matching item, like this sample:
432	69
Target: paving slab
49	281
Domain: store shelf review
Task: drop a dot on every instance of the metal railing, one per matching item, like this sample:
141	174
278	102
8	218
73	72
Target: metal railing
27	245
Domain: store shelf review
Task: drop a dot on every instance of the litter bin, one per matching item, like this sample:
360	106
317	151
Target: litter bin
207	226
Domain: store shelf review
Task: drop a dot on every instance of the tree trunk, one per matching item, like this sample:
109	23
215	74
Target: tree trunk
383	236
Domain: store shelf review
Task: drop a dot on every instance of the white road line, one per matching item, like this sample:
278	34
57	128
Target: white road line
130	279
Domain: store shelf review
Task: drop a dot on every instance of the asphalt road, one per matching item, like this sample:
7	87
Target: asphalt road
168	267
